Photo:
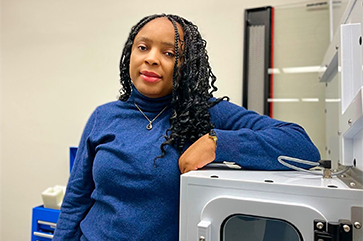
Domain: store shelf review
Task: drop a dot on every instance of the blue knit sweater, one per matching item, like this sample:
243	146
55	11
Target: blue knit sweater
115	192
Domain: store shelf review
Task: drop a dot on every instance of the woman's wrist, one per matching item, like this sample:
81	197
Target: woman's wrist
212	135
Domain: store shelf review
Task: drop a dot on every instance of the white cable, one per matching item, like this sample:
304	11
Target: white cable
341	172
307	163
299	161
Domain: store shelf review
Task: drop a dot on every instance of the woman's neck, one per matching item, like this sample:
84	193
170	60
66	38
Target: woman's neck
149	104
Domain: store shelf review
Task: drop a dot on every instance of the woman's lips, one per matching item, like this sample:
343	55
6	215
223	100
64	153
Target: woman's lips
149	76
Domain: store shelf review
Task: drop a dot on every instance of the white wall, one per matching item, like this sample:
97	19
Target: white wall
301	36
59	60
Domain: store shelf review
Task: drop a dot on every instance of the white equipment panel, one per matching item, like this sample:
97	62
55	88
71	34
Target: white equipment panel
210	197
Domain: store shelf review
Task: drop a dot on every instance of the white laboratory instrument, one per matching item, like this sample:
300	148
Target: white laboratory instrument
234	205
231	205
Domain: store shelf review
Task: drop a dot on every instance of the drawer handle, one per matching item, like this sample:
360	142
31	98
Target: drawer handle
43	235
52	225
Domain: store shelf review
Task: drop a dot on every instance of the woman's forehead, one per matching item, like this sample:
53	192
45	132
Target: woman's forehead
160	28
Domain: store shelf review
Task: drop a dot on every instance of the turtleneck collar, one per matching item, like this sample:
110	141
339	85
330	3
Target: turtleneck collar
148	104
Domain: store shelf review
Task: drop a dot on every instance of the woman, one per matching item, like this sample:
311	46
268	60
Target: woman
125	181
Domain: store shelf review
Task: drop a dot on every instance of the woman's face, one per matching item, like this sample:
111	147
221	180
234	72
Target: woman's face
153	57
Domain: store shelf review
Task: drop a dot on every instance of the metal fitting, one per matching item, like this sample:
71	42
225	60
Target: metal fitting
346	228
326	173
357	225
320	225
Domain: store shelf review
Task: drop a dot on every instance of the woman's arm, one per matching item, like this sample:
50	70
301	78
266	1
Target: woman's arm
77	200
251	140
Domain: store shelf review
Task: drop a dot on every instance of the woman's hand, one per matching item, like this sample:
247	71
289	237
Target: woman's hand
202	152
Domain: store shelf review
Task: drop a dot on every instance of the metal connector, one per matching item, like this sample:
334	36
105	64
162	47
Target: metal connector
326	165
326	173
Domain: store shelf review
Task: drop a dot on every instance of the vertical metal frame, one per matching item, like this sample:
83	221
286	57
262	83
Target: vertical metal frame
257	17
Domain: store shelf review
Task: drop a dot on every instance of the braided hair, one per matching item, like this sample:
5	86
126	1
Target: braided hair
193	84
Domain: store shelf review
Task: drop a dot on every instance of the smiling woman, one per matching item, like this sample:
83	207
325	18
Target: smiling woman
125	182
153	58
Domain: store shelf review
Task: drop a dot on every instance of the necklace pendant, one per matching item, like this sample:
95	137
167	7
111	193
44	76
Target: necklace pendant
149	126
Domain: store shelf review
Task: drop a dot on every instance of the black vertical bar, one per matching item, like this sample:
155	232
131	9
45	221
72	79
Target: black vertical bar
267	60
257	16
245	62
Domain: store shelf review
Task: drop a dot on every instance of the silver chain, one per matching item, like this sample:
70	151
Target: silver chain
150	126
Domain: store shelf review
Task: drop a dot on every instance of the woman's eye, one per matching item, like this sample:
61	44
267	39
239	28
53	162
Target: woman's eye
169	54
142	48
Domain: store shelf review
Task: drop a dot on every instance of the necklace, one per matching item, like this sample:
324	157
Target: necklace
150	125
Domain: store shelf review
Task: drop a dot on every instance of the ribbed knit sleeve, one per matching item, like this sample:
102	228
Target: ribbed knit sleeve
255	141
77	199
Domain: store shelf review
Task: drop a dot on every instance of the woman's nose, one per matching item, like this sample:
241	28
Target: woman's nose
152	58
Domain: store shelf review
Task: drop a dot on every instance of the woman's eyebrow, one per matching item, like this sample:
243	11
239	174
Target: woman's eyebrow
146	39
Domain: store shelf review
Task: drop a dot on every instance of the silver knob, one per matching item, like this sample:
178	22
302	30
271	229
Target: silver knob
319	225
346	228
201	238
357	225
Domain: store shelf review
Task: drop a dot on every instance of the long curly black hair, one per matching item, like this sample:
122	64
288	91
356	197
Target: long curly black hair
193	83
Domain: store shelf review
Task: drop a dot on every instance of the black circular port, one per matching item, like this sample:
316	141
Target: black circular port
214	176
